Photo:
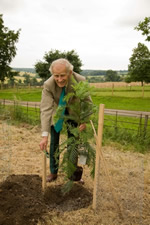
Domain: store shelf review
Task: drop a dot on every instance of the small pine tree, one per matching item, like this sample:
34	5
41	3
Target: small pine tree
80	143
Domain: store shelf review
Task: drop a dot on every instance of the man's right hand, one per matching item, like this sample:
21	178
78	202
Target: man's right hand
43	143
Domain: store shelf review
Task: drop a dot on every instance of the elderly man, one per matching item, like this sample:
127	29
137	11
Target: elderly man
62	72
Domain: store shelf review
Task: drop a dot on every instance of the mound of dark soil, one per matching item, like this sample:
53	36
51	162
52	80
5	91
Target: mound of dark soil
22	201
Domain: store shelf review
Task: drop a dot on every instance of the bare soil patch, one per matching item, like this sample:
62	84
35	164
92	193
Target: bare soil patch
23	202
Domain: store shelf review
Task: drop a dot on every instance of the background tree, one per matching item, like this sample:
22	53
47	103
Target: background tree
33	81
19	81
95	79
42	68
12	81
112	76
144	26
8	38
27	79
139	67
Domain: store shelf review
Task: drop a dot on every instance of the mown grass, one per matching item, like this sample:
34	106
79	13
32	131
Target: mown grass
123	98
27	94
128	88
124	103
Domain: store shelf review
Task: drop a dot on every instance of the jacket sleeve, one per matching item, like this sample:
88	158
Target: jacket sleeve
46	109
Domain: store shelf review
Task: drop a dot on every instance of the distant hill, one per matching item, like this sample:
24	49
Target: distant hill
84	72
100	72
29	70
93	72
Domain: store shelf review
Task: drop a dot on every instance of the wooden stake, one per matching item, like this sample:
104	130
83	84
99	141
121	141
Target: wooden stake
44	173
100	155
98	147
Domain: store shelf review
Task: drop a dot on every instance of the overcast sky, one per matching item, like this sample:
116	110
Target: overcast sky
100	31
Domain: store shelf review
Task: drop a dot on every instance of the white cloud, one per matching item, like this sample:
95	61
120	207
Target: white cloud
10	6
101	31
133	12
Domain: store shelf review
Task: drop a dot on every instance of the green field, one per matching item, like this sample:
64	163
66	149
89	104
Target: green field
121	98
124	103
24	94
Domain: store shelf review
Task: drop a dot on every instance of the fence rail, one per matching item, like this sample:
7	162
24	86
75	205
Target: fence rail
107	111
127	113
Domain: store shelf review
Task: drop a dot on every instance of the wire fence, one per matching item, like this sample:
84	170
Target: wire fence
133	121
24	111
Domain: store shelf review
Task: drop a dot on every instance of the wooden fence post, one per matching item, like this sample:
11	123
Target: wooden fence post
98	148
116	121
27	112
140	126
145	125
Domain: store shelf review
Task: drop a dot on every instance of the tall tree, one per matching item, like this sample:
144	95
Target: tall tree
42	68
112	76
139	67
8	38
144	26
27	79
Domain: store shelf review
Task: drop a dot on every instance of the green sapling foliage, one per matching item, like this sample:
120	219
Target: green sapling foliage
80	142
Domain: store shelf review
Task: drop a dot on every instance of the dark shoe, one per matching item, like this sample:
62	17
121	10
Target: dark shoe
76	176
81	181
51	177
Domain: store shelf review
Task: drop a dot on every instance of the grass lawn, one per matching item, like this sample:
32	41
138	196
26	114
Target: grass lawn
125	103
123	98
26	94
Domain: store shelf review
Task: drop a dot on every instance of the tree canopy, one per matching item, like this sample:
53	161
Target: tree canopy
42	68
144	26
139	67
112	76
8	38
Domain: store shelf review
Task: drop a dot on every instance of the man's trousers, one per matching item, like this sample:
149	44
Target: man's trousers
54	146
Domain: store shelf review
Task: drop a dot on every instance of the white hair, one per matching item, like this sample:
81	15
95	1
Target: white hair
69	66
